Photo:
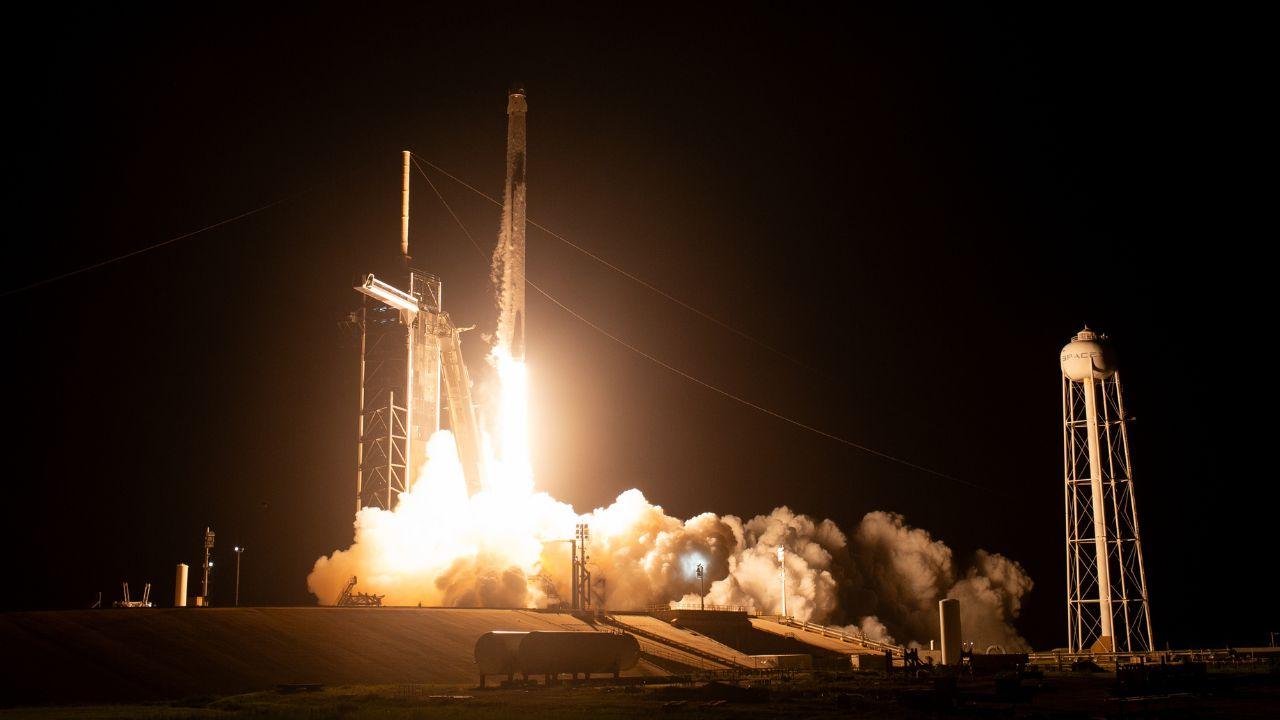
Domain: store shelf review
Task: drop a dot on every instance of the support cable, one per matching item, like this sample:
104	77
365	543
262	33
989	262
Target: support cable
149	248
631	276
444	202
691	378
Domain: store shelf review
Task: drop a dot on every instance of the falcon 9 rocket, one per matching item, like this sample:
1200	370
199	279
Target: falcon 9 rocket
508	265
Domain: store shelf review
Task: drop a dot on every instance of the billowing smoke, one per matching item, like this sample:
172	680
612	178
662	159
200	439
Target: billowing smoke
902	572
505	546
499	549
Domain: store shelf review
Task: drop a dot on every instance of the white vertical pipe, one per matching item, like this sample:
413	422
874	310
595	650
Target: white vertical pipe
180	586
949	625
1099	509
1068	492
404	209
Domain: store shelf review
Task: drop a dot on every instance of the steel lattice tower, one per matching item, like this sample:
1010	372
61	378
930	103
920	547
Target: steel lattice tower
408	347
399	392
1107	602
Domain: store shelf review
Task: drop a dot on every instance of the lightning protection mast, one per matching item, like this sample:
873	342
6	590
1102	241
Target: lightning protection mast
1107	603
410	347
400	373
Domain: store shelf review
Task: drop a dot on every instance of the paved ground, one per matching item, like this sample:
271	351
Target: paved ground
1250	695
118	655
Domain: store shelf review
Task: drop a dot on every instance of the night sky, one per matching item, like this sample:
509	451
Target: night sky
919	208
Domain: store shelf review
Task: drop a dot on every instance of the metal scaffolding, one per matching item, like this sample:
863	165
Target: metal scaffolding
399	393
581	586
408	348
1107	601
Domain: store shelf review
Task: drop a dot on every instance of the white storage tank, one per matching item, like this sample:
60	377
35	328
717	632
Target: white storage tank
180	586
496	652
949	620
1088	355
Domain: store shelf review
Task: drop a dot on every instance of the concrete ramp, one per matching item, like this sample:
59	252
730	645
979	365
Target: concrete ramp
674	660
682	640
819	637
136	654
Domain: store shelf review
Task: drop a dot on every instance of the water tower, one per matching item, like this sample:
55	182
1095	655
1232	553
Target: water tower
1107	607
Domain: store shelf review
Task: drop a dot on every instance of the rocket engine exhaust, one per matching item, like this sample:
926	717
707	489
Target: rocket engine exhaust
500	543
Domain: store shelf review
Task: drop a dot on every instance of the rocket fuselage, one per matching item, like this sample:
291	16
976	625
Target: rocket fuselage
511	243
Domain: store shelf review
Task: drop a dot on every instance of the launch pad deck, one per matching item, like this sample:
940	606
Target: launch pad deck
1251	695
116	655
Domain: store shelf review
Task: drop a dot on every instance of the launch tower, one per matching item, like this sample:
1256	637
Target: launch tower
1107	604
408	347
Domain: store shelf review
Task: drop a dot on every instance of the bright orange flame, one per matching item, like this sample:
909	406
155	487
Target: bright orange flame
510	469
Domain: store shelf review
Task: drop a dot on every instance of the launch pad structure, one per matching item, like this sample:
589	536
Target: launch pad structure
410	348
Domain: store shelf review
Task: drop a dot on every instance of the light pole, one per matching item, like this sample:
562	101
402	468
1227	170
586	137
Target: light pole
239	550
702	579
208	545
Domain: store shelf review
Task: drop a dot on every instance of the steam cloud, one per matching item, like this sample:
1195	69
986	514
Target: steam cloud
501	547
884	579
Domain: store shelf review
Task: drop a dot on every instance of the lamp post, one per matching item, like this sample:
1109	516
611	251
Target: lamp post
239	550
208	545
702	579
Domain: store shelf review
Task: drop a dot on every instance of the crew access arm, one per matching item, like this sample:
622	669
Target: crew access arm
462	413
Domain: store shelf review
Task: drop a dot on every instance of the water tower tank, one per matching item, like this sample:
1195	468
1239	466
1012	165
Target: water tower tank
1088	355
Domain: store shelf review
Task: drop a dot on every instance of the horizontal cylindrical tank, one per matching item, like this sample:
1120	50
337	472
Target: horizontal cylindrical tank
539	652
496	652
577	652
1088	355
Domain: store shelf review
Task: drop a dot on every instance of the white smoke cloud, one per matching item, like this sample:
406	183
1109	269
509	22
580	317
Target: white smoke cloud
753	574
902	573
505	547
990	599
440	547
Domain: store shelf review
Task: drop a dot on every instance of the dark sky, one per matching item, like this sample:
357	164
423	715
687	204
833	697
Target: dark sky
920	208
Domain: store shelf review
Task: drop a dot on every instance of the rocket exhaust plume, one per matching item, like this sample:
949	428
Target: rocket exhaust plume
508	256
503	546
